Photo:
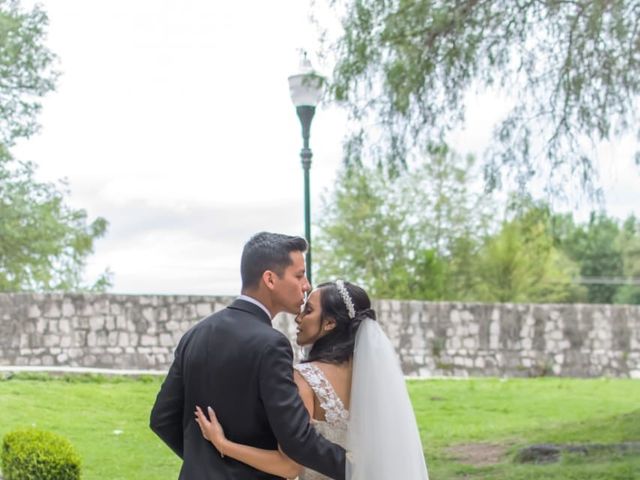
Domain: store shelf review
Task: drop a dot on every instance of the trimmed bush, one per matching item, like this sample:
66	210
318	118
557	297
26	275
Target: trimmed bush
38	455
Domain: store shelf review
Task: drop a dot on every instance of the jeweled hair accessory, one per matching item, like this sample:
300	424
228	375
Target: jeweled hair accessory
346	298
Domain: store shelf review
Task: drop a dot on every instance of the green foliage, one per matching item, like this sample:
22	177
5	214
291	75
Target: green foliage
571	70
26	72
608	255
594	247
427	235
44	242
395	236
38	455
521	264
629	244
362	213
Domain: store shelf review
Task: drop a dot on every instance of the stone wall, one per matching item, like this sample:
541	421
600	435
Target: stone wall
432	339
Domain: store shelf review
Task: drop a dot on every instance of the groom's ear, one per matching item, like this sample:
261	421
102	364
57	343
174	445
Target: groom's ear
268	277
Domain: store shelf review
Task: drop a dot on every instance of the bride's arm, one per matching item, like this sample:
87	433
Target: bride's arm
271	461
274	462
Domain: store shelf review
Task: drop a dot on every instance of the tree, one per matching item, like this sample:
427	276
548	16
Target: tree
44	243
629	244
594	246
606	252
571	68
520	263
397	236
363	236
26	70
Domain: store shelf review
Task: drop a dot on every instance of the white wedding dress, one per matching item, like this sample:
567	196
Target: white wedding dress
334	427
379	432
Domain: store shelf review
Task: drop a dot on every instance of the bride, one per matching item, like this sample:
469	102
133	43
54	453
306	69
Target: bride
352	385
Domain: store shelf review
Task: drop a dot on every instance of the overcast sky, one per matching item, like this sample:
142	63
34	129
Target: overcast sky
172	119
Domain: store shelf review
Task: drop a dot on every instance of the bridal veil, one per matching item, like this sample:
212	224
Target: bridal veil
383	438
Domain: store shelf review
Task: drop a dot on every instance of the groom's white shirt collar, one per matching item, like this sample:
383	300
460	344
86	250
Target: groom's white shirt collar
249	299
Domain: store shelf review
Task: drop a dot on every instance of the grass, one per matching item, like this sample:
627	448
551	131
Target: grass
107	421
520	412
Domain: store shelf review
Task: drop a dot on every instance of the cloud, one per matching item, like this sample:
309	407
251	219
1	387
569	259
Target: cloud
188	249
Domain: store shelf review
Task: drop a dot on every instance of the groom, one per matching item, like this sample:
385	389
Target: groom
235	362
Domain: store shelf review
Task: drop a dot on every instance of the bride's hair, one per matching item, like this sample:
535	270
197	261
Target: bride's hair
337	345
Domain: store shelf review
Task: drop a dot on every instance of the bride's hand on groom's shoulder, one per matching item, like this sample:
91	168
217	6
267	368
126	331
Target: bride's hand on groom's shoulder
211	428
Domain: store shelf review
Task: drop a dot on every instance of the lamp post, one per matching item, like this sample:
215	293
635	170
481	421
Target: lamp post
306	89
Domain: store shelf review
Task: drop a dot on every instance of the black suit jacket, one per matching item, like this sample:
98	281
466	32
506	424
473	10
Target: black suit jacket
235	362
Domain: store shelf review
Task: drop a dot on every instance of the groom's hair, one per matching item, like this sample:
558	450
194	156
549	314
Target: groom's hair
267	251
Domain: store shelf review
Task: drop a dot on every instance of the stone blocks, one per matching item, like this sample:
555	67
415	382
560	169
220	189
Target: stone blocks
431	338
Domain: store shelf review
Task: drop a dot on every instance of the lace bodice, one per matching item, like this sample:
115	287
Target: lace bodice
334	427
335	413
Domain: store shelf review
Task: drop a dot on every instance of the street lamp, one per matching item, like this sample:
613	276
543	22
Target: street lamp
306	89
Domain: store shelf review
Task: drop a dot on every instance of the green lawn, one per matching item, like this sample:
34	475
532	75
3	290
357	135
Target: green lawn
106	419
515	413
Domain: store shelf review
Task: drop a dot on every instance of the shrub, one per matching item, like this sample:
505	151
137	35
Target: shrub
38	455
